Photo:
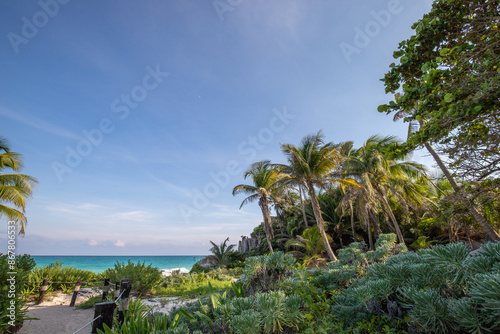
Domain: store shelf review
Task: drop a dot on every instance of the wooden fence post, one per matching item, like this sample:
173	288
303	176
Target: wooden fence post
125	287
116	293
105	310
105	289
43	290
75	292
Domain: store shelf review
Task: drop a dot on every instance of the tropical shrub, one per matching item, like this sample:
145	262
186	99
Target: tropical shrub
143	278
235	259
13	315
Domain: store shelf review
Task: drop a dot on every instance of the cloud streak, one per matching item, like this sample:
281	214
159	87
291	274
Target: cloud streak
39	124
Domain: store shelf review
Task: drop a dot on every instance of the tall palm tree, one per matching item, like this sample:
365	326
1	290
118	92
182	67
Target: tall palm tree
380	176
15	189
313	161
266	184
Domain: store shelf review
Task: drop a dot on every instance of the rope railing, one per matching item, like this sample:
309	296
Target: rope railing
99	316
45	287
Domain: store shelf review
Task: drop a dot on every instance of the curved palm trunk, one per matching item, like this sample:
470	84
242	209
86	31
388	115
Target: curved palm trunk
391	214
352	221
369	229
267	222
468	204
302	205
366	220
320	222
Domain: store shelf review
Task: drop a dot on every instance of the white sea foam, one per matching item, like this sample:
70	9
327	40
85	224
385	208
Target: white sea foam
168	272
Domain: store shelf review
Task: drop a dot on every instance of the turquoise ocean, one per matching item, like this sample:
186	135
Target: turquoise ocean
100	263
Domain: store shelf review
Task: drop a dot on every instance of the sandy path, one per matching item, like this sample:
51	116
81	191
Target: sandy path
56	319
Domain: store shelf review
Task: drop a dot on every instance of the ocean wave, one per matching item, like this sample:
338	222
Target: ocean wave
168	272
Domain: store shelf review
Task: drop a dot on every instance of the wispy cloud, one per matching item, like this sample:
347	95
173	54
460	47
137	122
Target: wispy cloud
39	124
74	208
183	191
137	216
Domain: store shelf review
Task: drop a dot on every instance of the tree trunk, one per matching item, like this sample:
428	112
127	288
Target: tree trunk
268	229
320	222
352	221
480	219
302	205
370	239
376	227
391	214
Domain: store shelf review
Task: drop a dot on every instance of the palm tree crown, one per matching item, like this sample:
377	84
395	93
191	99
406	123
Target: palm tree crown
15	189
313	162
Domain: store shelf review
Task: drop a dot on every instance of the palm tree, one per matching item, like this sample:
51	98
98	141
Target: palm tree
379	175
220	252
361	201
266	185
313	162
15	189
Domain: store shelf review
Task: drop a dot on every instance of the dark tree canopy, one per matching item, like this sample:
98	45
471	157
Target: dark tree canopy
448	80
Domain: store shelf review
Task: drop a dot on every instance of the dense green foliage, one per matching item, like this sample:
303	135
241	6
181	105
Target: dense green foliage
443	289
186	285
12	302
448	78
143	278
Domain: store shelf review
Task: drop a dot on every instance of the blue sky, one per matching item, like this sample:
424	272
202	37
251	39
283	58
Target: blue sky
138	118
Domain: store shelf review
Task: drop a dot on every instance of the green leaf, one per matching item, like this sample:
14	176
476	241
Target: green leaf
449	97
444	52
478	108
